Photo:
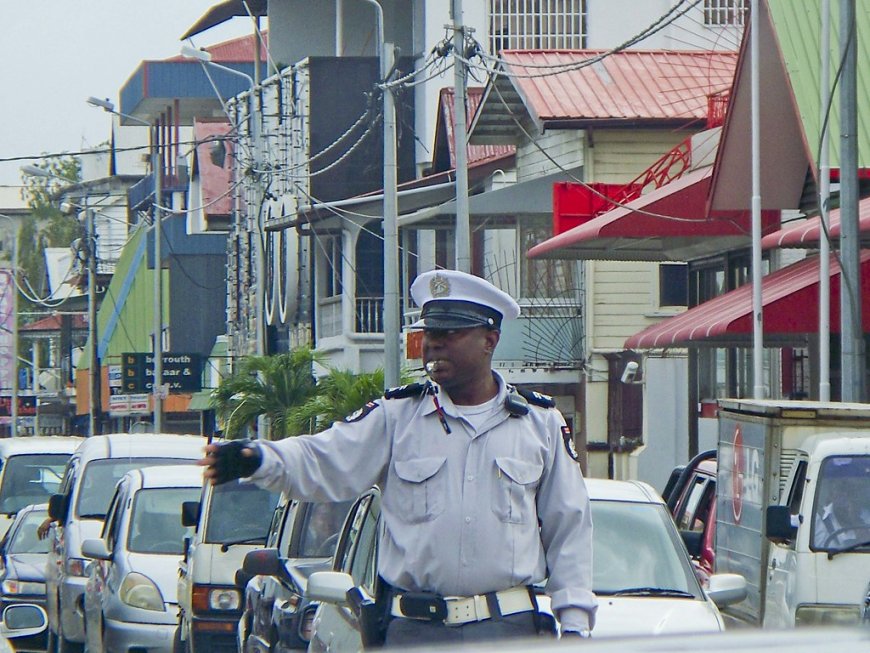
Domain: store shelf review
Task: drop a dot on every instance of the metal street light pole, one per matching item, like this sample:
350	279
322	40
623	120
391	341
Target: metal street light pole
157	344
204	58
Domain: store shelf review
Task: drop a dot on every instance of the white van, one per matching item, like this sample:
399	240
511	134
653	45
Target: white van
30	471
231	519
79	509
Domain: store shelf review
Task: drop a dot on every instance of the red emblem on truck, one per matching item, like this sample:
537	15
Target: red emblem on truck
738	473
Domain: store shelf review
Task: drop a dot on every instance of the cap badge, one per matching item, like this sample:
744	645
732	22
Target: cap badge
439	286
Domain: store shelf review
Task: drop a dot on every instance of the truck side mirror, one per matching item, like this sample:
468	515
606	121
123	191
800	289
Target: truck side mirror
190	513
58	507
692	540
263	562
779	527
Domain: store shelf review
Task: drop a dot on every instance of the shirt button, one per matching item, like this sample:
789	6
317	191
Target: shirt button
470	477
468	520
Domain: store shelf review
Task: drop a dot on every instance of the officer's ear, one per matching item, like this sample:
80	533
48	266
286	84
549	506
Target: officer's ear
491	340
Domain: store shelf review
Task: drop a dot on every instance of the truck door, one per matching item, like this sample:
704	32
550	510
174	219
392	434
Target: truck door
783	563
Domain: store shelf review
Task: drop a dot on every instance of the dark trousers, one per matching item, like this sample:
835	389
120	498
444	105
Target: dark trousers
414	632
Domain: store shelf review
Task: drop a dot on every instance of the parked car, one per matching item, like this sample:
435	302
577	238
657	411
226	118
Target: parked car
30	471
277	617
231	519
79	509
691	498
130	600
642	573
22	569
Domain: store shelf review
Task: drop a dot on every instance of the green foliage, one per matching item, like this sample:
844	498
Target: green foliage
48	227
283	388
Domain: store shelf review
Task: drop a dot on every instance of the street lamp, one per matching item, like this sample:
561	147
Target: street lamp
157	171
204	58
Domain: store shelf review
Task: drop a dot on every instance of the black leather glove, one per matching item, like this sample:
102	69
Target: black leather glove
231	464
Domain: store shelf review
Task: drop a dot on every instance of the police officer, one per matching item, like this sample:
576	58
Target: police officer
482	494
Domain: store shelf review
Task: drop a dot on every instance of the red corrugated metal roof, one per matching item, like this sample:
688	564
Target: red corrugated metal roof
238	50
806	233
633	85
446	117
214	180
790	300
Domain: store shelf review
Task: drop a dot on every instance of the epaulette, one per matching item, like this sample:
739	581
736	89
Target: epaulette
536	398
405	391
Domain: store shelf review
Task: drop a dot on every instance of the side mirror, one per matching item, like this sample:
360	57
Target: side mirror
241	579
726	589
693	540
96	549
263	562
23	620
779	526
58	507
190	513
329	587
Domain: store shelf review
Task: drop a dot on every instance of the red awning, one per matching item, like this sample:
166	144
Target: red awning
806	233
667	224
790	300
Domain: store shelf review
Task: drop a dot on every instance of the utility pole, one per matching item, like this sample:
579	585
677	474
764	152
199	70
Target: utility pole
824	196
852	343
14	279
460	135
757	315
157	380
95	374
392	323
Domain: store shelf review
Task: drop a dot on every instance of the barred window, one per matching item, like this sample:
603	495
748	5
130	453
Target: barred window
537	24
725	12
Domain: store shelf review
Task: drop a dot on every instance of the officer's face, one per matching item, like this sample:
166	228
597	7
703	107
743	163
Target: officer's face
455	357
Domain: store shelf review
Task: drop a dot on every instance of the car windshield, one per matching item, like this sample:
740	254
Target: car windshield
842	510
319	533
24	539
636	548
239	512
155	525
30	478
101	476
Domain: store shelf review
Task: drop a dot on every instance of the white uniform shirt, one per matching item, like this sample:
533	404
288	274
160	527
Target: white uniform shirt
460	511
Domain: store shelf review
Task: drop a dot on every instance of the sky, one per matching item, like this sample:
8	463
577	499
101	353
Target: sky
54	54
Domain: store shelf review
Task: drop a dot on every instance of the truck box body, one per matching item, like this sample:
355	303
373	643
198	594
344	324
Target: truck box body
773	453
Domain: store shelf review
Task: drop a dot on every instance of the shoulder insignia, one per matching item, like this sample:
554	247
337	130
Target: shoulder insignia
568	439
362	412
405	391
536	398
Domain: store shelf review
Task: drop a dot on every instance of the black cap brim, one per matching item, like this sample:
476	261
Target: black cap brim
453	314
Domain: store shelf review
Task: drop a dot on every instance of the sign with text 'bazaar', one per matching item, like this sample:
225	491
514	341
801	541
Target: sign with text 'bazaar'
181	372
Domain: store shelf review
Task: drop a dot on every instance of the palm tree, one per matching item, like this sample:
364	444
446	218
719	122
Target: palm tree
266	385
339	394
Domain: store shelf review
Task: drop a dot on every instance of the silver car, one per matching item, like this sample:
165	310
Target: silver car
79	508
130	598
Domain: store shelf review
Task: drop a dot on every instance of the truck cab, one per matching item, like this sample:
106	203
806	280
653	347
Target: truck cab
784	471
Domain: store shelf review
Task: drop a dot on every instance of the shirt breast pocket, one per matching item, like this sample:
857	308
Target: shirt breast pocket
421	488
513	496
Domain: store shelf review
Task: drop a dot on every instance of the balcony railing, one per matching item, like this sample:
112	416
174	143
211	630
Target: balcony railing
369	315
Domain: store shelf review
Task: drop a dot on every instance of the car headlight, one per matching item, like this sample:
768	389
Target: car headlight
140	591
306	623
208	598
77	567
821	614
22	587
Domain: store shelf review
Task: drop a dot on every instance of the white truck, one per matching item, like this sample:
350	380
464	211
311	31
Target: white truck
793	510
